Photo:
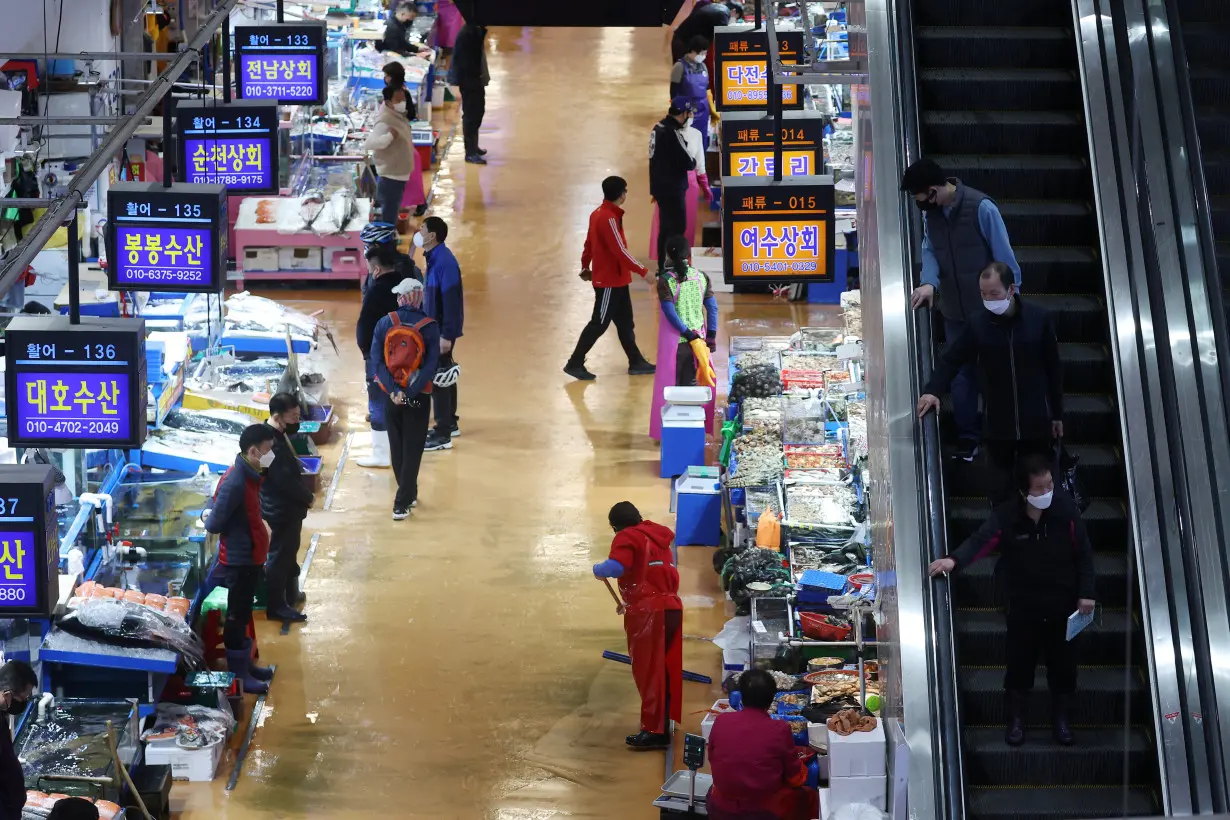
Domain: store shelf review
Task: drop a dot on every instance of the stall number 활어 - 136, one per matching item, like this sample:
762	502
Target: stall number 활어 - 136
94	352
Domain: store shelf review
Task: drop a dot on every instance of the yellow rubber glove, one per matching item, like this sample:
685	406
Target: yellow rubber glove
705	375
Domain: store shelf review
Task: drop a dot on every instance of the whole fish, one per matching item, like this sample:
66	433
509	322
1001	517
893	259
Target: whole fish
311	207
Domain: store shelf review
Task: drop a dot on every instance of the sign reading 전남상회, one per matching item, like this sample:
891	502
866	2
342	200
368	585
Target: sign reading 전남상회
233	144
78	385
281	62
29	541
741	63
747	144
777	231
166	239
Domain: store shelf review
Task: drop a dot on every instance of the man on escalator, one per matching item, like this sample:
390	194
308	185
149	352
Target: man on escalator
963	232
1046	568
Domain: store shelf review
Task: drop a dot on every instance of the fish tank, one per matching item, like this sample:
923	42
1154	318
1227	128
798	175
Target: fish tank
160	512
70	740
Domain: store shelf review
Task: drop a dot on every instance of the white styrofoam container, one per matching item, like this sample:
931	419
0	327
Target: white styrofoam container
299	258
698	396
351	257
818	736
861	754
846	791
197	765
706	723
260	259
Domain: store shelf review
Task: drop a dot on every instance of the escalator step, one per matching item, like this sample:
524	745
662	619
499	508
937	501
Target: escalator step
1100	699
1041	176
1068	801
977	587
1087	419
1220	212
1213	126
1203	10
1105	521
1210	86
980	634
993	46
1003	132
1217	171
1086	367
1205	43
982	13
1050	269
1077	318
1095	760
1056	222
998	88
1101	472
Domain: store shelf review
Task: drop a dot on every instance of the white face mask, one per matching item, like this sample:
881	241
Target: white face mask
699	58
266	459
418	240
400	107
1040	502
999	306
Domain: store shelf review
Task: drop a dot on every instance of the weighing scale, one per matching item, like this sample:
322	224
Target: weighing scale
685	793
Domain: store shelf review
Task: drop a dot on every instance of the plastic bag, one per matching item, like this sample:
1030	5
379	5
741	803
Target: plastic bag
1066	477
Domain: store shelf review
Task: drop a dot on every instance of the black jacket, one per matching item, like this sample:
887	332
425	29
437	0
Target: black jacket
395	38
1018	361
703	21
284	496
12	781
1044	568
469	68
669	160
379	300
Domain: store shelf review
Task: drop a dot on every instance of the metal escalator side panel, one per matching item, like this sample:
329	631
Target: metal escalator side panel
1142	417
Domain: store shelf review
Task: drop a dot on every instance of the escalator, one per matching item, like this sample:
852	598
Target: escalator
1205	27
1000	106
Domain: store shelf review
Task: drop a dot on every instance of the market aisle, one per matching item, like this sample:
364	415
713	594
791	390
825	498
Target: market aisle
452	664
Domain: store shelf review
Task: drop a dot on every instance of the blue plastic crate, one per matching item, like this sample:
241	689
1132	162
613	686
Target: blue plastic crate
815	580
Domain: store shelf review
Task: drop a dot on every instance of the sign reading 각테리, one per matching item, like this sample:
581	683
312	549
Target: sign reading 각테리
232	144
748	140
166	239
29	541
778	231
281	62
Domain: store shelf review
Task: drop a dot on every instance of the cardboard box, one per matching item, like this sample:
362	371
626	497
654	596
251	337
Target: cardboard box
861	754
259	259
846	791
300	259
197	765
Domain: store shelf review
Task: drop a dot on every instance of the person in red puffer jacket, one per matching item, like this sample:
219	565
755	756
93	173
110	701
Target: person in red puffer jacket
236	517
607	263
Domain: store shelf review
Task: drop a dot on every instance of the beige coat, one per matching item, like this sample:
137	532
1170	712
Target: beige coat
391	145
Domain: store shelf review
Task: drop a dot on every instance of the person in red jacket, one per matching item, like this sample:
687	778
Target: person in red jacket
642	559
607	263
757	771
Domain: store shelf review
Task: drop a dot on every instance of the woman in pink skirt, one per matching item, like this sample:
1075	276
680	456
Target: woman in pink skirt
448	23
415	197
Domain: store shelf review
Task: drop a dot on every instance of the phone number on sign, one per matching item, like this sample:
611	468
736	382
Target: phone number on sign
226	179
780	267
128	275
735	95
12	594
73	428
279	92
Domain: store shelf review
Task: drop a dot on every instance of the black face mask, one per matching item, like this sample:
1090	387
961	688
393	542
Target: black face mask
17	707
928	204
291	429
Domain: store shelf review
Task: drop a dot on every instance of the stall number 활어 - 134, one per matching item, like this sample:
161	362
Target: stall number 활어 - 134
211	123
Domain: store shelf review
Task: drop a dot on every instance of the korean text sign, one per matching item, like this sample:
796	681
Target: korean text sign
777	231
166	239
75	385
29	544
281	62
232	144
749	140
742	68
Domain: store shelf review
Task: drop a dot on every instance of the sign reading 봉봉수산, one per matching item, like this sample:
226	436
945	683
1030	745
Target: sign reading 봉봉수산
777	231
166	239
281	62
233	144
78	385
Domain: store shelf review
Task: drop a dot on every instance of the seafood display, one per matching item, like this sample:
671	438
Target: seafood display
757	456
39	805
125	623
820	503
267	211
174	605
189	727
848	721
247	312
70	739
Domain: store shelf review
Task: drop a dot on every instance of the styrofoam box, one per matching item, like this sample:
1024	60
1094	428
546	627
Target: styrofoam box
299	259
197	765
818	736
845	791
858	755
706	723
260	259
349	257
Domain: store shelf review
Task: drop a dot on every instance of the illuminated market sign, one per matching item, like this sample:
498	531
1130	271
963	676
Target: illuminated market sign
78	385
777	231
232	144
29	541
741	62
747	144
281	62
166	239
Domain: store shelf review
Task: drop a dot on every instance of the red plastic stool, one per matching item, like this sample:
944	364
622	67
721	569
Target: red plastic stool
211	636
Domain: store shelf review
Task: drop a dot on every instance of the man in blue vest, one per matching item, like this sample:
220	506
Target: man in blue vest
963	233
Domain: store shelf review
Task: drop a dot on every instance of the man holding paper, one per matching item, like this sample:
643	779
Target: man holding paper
1046	571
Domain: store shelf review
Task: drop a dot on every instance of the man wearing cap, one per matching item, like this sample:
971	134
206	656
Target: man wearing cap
407	409
669	164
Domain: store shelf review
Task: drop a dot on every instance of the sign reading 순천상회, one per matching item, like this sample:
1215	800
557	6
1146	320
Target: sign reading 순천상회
233	144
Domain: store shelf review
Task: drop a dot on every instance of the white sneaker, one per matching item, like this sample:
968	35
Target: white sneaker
380	457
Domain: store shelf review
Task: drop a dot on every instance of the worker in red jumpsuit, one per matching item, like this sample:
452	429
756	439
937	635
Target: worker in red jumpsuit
642	559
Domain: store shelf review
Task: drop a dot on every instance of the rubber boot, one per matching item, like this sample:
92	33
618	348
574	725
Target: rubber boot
1059	720
277	607
1014	730
380	451
239	663
294	595
261	673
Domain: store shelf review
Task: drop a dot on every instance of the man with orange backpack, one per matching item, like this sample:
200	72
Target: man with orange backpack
406	351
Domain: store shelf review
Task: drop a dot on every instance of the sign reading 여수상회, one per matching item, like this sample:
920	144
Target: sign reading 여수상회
233	144
741	65
281	62
166	239
777	231
29	541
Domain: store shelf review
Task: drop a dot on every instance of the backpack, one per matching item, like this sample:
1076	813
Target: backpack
403	350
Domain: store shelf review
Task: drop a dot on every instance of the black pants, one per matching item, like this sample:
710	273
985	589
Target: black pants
1032	636
610	305
282	567
473	108
1003	456
240	592
672	221
407	432
685	365
444	401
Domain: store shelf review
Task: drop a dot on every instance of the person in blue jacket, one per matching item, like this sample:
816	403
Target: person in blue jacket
444	301
407	410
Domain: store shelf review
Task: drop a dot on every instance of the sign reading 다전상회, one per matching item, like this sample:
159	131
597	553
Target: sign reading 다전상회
741	63
78	385
233	144
777	231
748	141
281	62
166	239
29	541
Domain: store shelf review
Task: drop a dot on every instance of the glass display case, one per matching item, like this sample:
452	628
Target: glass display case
70	740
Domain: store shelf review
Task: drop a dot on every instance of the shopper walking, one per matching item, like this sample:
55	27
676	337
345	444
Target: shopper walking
963	232
1046	565
1011	344
690	80
642	559
406	351
443	301
468	71
608	265
397	33
243	550
670	162
392	149
689	312
379	300
285	501
17	684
